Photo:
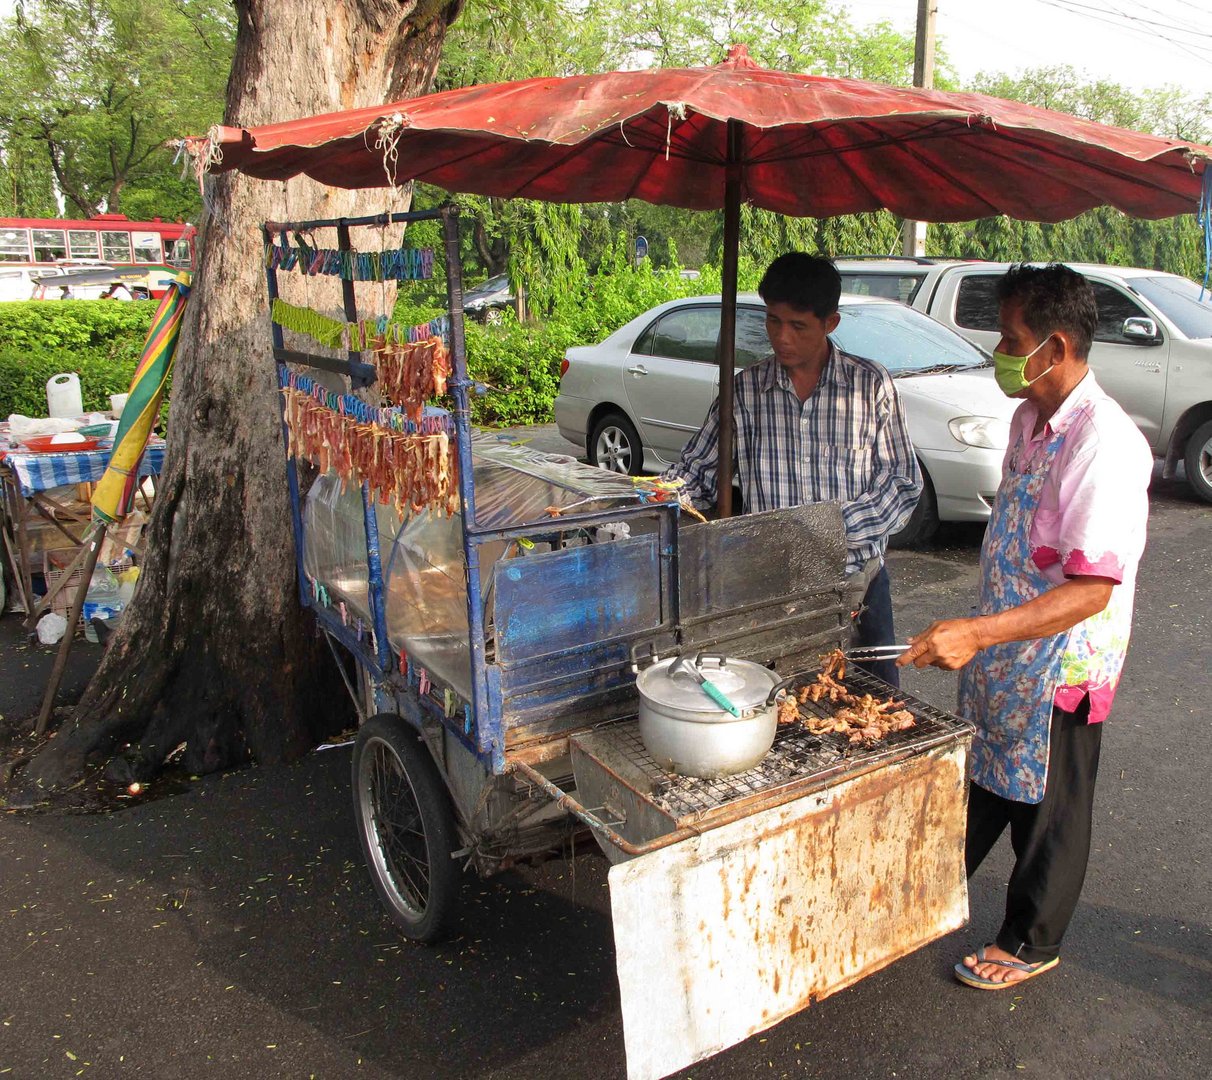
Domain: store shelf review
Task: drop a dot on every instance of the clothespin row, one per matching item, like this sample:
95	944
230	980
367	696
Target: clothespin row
439	327
395	264
358	410
357	336
319	594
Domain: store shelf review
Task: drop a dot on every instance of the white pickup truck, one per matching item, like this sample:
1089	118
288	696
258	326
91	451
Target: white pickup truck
1152	351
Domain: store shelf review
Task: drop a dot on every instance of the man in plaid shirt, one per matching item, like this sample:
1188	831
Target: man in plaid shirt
814	425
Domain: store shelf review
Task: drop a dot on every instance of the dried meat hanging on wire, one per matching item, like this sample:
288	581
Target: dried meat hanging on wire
412	469
410	373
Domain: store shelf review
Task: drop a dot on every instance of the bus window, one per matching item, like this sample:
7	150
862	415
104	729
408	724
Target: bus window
181	254
49	245
14	245
147	247
83	245
115	247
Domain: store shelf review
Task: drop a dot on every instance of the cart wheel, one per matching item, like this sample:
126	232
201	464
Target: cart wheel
406	827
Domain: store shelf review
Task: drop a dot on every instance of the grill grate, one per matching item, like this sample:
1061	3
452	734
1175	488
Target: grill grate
795	756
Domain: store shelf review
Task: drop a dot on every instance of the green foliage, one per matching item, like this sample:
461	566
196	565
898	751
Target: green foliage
98	339
24	374
105	326
94	88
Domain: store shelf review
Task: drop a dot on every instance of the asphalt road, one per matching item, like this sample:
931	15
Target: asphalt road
231	929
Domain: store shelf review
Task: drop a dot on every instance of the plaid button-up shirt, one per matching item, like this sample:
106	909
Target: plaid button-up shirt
846	443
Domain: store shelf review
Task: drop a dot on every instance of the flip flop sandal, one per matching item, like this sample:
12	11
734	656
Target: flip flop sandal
970	978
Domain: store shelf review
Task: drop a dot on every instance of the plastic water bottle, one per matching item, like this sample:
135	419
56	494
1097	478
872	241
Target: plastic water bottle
102	601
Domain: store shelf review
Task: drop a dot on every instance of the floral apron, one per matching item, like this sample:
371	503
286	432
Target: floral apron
1008	690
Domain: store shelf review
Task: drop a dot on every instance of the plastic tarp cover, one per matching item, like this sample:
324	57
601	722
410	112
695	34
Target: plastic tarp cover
422	552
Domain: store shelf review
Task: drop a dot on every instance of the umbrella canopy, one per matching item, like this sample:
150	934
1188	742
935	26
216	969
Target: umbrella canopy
809	146
712	137
116	488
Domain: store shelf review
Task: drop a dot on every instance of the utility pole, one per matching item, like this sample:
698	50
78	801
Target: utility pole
913	233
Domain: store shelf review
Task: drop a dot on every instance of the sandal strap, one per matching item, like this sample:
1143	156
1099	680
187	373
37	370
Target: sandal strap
1017	965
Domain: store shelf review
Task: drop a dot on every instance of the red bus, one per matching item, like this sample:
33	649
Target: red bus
32	247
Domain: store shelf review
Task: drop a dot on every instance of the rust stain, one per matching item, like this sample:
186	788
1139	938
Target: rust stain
749	877
778	981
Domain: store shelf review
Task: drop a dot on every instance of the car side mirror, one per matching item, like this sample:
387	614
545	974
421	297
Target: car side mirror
1141	331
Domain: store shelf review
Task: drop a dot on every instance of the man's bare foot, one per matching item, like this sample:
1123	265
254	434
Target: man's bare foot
991	971
991	968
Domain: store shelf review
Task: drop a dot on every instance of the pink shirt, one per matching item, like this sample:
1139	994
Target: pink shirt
1090	522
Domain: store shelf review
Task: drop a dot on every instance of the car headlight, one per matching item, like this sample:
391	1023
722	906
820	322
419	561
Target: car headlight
987	431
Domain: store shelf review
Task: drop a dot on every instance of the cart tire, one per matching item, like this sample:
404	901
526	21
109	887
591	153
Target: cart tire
406	827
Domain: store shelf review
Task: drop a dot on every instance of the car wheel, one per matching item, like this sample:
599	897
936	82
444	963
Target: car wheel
614	445
922	523
1198	460
406	828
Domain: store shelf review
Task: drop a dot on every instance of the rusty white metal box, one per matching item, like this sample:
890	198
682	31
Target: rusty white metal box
737	902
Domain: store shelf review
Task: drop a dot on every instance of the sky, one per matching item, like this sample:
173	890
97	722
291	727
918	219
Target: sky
1137	43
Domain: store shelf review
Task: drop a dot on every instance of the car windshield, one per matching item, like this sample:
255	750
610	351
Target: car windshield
493	284
903	340
1179	300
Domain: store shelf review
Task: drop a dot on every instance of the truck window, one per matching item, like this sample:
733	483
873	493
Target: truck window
902	287
976	305
1113	308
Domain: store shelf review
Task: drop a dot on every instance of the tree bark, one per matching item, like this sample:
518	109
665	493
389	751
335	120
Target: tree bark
214	651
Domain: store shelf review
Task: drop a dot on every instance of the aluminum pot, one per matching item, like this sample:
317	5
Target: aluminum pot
688	733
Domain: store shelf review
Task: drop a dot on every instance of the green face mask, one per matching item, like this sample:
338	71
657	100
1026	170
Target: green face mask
1009	370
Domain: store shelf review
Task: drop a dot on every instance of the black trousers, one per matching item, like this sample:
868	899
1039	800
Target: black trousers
875	627
1051	839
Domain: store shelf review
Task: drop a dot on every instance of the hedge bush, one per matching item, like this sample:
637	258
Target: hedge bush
100	340
520	363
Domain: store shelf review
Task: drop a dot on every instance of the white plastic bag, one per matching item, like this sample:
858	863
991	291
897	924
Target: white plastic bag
51	628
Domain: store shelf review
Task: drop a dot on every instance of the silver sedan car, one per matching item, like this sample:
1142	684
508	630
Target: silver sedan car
635	399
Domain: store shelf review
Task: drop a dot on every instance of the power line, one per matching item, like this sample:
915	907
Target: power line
1119	14
1194	49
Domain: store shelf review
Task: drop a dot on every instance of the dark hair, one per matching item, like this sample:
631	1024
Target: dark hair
1053	298
808	282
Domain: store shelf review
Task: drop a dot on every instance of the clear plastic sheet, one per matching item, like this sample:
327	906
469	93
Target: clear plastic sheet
422	553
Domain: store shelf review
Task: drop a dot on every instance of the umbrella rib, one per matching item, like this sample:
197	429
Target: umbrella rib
908	147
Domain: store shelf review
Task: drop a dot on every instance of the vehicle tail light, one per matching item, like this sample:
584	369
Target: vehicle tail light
563	366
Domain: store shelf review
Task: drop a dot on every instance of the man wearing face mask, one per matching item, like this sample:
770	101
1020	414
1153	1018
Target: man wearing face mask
1042	659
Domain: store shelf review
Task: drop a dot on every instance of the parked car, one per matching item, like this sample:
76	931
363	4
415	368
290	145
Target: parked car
635	399
1152	350
493	295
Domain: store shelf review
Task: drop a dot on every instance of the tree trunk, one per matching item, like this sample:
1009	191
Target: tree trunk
215	652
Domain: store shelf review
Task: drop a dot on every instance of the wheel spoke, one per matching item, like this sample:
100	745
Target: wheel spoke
398	828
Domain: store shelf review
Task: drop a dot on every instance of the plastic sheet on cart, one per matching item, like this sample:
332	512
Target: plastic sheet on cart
422	553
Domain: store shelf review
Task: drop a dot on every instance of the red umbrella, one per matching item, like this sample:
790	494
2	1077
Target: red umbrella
706	138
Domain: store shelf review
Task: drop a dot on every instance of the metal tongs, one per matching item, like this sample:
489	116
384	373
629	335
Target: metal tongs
709	688
875	652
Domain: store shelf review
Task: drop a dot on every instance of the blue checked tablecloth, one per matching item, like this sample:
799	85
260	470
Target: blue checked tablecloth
39	472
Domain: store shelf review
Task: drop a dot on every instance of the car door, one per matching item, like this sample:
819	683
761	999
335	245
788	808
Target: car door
670	376
1132	372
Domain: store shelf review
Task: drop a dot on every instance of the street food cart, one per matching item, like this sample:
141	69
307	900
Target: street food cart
496	632
498	602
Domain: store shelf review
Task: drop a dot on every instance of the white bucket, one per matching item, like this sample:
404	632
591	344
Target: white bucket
117	402
63	395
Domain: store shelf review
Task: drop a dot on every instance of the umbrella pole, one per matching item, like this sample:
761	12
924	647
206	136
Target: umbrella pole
73	620
727	343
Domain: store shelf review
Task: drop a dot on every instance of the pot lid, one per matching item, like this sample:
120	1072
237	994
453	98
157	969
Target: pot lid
743	682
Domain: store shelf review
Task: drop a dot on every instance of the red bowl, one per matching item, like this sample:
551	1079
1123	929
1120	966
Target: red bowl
45	444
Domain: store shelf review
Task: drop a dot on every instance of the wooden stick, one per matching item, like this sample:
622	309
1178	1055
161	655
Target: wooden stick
36	610
73	618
